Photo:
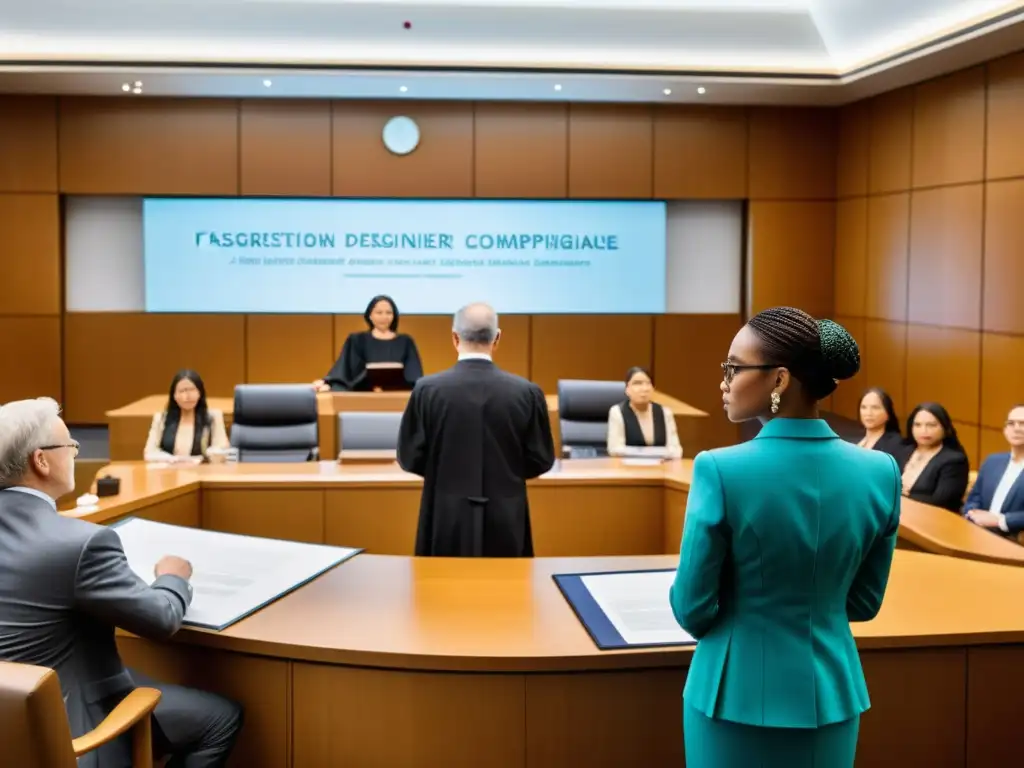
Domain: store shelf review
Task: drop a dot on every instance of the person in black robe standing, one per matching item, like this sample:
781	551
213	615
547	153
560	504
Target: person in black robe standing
382	343
475	434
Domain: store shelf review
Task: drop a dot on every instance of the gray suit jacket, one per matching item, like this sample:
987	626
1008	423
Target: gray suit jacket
65	584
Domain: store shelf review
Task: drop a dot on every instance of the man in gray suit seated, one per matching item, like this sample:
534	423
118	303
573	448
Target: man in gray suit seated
65	584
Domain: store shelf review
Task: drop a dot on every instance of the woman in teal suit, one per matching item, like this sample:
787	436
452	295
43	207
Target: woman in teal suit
787	539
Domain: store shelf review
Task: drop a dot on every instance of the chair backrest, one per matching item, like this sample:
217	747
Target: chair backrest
972	478
583	412
275	423
34	731
368	431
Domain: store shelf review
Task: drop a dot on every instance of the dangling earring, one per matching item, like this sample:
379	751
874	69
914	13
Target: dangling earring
776	399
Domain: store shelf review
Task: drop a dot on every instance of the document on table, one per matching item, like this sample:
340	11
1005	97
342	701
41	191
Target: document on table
232	575
637	606
625	609
645	452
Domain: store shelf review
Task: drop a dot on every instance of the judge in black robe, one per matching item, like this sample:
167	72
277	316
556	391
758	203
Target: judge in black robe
475	434
380	344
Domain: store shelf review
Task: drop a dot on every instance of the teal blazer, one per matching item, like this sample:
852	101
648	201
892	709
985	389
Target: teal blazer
787	539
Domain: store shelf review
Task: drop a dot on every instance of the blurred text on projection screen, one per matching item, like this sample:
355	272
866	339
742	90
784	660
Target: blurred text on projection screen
431	256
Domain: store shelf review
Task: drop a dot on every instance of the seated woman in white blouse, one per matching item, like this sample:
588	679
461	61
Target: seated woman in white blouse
188	428
638	422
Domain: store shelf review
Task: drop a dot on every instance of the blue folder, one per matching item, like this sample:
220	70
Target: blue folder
593	618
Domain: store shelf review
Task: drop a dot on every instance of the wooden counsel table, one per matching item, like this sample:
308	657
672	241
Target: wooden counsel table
390	660
129	425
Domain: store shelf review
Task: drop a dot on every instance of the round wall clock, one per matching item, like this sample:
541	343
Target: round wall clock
401	135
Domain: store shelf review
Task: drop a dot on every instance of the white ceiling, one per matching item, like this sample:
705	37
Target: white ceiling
751	51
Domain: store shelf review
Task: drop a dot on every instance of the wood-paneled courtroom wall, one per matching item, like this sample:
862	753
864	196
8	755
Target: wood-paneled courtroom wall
782	160
929	237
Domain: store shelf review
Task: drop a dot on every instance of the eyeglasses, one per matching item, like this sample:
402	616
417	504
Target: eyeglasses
729	370
73	444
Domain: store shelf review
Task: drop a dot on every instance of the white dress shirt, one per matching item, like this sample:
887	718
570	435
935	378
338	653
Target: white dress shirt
474	356
616	439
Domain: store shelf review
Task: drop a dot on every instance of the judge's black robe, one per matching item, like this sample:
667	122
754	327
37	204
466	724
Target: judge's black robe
475	434
348	373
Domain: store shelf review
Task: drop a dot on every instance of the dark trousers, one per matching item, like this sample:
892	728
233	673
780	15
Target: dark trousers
197	729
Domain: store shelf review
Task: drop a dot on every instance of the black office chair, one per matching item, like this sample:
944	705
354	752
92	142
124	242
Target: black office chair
368	430
583	407
275	423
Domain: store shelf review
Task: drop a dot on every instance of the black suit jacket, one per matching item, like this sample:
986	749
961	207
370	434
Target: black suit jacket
475	434
943	482
891	443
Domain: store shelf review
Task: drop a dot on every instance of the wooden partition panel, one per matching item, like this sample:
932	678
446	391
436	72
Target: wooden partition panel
792	154
30	302
970	438
944	364
922	690
700	152
28	144
111	359
891	141
888	256
31	351
588	347
851	257
1003	268
288	348
792	245
945	256
148	146
285	148
30	254
611	151
1004	151
441	166
513	353
949	130
945	208
262	686
853	151
1002	374
521	150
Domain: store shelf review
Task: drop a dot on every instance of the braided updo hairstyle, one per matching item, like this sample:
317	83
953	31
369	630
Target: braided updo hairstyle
818	353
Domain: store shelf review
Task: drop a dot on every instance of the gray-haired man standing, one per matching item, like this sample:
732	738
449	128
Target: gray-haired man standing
475	434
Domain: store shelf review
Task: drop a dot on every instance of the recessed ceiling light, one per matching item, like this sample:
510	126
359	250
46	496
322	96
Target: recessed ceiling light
702	90
138	83
667	91
126	87
136	90
403	88
558	87
267	83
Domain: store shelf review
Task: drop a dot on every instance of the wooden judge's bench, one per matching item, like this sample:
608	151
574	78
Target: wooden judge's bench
129	425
